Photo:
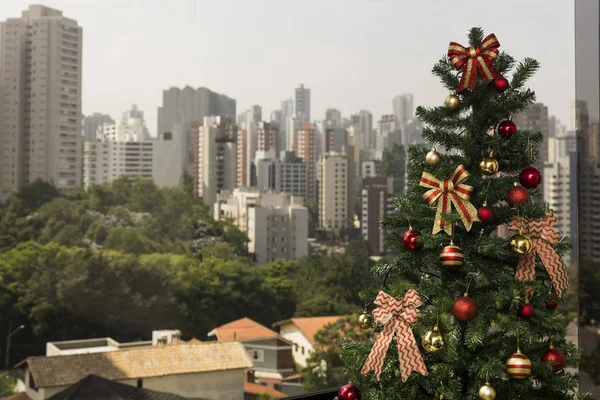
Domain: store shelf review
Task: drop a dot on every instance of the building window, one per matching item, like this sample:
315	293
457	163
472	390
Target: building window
258	355
140	383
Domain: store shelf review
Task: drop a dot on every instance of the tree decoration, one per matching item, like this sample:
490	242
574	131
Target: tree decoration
506	128
518	365
487	392
543	236
530	177
465	308
452	256
452	101
554	356
526	311
396	315
501	84
489	165
349	392
551	305
475	60
485	213
412	240
433	158
433	340
446	193
365	320
517	195
521	244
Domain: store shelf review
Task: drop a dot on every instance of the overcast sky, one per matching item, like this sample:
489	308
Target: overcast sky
352	54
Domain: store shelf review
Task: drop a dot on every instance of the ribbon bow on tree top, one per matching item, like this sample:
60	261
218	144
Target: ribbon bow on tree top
447	192
543	235
474	60
397	315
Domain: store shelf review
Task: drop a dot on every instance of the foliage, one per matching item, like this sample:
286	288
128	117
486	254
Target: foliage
475	352
324	366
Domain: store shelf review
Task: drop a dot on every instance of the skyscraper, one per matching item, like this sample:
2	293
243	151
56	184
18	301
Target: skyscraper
91	123
365	126
40	134
403	108
333	192
335	116
305	147
535	118
302	100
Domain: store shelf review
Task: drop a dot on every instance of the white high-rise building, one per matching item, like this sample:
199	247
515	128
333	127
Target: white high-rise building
91	123
388	133
302	102
216	164
276	224
40	83
333	192
131	128
403	108
363	128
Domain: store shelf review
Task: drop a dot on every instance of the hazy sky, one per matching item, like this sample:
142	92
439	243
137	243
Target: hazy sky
353	54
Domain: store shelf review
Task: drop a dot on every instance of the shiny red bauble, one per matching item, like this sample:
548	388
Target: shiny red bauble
551	305
507	128
554	356
452	257
485	213
412	240
500	84
517	195
349	392
530	177
464	308
526	311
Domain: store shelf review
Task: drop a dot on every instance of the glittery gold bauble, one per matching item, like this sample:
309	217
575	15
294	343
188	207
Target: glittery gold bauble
365	320
487	392
489	165
518	366
521	244
433	341
452	101
433	157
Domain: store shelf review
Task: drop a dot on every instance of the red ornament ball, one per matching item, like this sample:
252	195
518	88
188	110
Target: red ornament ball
551	305
526	311
485	213
507	128
464	308
530	177
517	195
452	257
501	84
412	240
554	356
349	392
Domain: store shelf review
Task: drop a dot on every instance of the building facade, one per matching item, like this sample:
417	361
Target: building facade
403	107
377	193
40	133
333	192
305	147
302	103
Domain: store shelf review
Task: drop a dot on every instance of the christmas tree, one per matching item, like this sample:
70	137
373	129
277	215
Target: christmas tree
461	312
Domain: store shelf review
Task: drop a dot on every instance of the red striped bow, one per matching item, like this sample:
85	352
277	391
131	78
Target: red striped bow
397	315
543	236
448	192
474	59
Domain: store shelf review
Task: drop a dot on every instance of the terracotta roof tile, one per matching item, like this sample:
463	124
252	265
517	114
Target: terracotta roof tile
142	362
194	341
310	325
255	388
243	329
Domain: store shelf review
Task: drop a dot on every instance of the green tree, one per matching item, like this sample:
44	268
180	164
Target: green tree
324	368
477	348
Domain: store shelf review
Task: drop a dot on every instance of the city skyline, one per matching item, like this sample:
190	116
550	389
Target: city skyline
130	61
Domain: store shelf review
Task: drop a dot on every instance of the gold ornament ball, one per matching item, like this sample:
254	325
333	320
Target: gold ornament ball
452	101
487	392
434	340
365	320
489	165
518	366
433	157
521	244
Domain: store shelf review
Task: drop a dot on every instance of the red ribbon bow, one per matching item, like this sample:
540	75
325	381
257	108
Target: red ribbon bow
447	192
473	59
543	235
397	315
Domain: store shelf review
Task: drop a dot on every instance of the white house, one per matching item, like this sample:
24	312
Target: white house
301	332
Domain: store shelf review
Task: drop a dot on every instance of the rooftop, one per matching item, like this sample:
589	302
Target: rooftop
308	326
144	362
242	330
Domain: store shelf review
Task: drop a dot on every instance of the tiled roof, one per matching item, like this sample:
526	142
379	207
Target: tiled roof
243	329
96	388
144	362
309	326
255	388
194	341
